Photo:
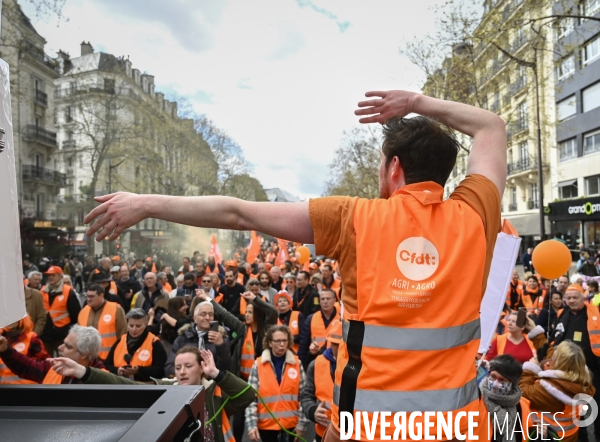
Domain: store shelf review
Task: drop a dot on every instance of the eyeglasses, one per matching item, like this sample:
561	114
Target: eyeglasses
207	280
205	314
279	341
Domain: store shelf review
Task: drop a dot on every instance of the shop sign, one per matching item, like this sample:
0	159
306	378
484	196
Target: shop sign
587	209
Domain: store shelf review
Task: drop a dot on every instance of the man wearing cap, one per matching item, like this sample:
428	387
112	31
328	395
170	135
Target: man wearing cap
105	316
292	318
314	330
137	271
317	395
63	307
580	323
112	292
313	268
103	269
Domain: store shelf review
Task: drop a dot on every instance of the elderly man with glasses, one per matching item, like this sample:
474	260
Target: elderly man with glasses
202	336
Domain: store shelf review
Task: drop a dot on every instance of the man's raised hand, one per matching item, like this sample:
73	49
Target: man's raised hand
117	212
389	104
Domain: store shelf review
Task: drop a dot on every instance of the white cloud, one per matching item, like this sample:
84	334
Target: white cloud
281	79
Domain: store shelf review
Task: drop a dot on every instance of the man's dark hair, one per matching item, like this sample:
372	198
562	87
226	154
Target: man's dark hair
329	267
189	277
96	288
305	273
426	149
138	260
592	284
186	257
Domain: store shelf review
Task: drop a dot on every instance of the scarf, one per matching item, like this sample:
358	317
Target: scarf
501	406
201	335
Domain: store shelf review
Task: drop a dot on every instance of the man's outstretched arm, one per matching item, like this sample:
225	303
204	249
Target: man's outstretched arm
488	153
122	210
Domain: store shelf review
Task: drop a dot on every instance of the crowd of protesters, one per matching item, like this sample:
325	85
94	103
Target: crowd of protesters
276	328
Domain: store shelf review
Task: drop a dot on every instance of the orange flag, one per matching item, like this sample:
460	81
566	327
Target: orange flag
253	248
214	249
282	255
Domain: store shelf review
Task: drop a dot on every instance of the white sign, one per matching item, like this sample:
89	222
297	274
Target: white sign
12	294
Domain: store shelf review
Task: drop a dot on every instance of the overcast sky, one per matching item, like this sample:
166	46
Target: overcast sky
282	77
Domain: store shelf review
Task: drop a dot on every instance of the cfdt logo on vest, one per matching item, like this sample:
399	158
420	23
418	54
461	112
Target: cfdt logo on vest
417	258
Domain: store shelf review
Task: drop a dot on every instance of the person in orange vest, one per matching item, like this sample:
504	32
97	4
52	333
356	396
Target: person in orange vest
313	268
316	326
532	295
514	342
549	315
105	316
515	289
192	367
82	345
580	323
23	339
552	390
231	292
161	277
317	396
292	318
102	269
388	300
508	410
112	292
278	377
63	307
138	354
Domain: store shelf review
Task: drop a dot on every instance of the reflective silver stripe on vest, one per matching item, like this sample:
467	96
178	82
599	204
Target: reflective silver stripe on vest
11	379
103	349
278	414
246	357
228	435
58	318
281	397
320	339
595	345
556	428
393	338
594	332
245	370
409	401
108	335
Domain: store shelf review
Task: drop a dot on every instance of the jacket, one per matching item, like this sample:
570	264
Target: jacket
229	384
548	391
147	301
238	341
189	336
308	395
307	335
306	301
34	305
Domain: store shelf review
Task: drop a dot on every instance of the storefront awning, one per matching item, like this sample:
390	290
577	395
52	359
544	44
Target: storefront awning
566	183
529	224
79	240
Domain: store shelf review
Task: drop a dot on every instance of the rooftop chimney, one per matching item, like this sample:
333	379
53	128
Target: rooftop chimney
86	48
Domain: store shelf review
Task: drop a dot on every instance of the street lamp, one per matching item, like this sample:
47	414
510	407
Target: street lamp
461	50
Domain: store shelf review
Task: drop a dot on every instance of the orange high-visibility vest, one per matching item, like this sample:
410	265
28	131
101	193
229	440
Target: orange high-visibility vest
107	325
240	278
562	424
248	354
142	356
389	358
22	346
225	427
219	298
318	331
530	305
58	310
323	387
501	344
113	288
518	289
294	327
593	326
52	377
167	287
282	399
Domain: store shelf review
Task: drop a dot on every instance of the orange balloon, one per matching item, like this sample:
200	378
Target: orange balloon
551	259
304	254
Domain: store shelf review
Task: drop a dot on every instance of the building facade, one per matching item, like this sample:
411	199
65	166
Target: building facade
39	178
575	212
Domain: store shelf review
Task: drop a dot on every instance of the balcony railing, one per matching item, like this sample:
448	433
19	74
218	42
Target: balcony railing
512	207
518	43
521	165
533	205
506	100
38	133
518	86
76	198
68	145
50	176
41	98
65	92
